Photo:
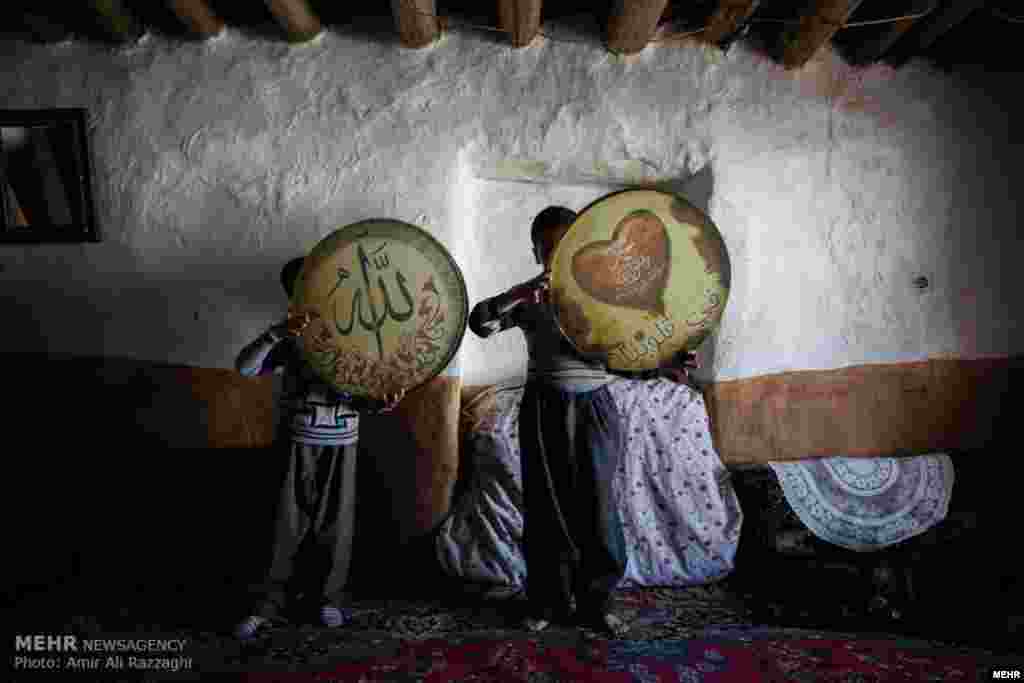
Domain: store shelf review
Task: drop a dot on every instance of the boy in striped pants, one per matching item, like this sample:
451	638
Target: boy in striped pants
319	436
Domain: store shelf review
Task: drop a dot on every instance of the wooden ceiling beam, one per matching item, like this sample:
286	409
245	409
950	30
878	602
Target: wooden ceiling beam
727	19
416	21
818	23
521	19
632	23
197	16
296	19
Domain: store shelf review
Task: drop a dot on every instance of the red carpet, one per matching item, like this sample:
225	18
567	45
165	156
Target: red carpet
745	658
692	635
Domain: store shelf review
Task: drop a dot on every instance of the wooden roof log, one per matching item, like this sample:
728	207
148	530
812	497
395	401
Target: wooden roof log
728	18
299	22
631	24
417	22
521	18
116	21
296	18
197	16
818	23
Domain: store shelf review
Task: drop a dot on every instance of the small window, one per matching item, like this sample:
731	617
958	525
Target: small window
45	177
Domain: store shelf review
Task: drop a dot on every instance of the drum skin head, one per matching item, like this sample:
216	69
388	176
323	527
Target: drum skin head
640	276
390	303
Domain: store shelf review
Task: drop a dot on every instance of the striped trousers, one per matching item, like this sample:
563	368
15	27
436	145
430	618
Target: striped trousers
312	545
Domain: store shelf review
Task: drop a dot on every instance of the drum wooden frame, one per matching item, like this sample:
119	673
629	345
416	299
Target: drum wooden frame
390	306
640	276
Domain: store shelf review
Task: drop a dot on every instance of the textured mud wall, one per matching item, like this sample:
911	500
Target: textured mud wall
835	189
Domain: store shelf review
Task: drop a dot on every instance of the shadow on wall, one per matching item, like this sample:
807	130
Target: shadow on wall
985	248
109	498
118	450
102	309
127	491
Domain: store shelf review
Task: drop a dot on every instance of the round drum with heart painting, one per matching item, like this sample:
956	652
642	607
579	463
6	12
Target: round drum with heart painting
639	277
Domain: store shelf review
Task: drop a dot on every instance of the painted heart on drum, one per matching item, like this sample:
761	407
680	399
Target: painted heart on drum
639	276
632	268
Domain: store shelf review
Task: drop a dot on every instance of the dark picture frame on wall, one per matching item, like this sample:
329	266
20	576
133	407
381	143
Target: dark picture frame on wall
46	192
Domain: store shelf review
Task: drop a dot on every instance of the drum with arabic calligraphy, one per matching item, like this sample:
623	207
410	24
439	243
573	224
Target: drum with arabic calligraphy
390	307
640	276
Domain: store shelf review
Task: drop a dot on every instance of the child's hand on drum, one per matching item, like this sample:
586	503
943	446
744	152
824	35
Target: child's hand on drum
679	371
534	291
392	400
297	323
542	288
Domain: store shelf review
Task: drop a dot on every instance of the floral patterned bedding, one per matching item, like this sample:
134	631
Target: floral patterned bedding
680	514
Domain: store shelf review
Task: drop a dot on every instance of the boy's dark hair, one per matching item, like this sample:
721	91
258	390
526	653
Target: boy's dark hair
289	273
551	217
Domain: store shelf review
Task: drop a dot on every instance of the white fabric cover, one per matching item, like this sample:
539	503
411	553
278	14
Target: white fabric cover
868	503
680	515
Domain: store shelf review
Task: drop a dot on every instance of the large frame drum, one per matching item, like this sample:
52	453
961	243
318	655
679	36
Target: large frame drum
390	304
640	276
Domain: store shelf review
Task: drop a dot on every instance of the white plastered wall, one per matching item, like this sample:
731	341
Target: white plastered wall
214	163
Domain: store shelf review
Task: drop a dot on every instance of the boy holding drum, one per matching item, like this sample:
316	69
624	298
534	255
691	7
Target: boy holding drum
571	439
313	533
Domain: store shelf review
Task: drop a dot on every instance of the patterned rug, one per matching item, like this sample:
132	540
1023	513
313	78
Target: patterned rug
750	658
865	504
686	635
794	611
